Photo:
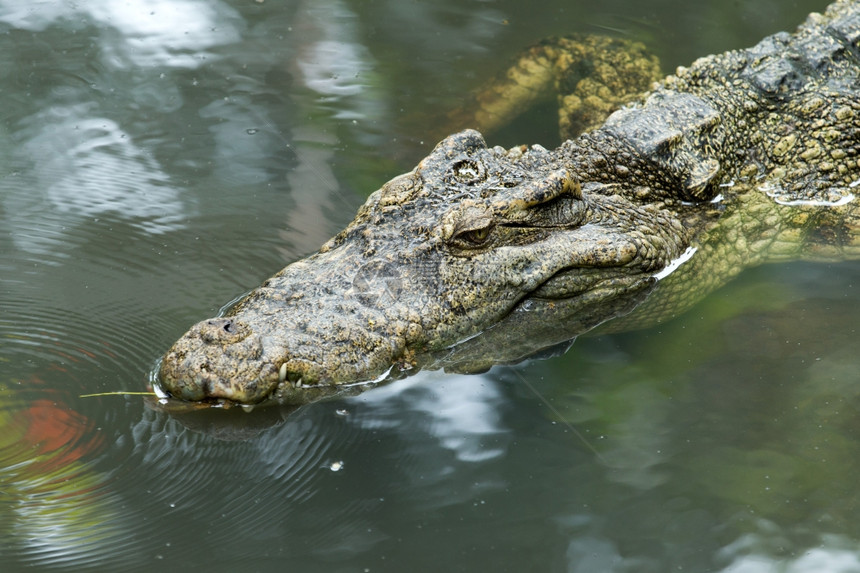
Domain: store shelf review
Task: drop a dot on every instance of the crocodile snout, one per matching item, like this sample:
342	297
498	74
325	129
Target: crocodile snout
218	358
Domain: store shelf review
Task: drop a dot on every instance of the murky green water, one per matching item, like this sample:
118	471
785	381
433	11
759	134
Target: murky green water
161	158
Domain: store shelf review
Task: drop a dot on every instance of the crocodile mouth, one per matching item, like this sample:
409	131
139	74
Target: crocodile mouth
207	366
578	299
578	282
546	321
200	367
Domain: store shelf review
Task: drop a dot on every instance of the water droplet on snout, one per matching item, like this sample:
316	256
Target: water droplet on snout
251	131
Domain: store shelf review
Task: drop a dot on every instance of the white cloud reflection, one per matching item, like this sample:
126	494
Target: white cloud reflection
174	33
86	166
823	560
462	411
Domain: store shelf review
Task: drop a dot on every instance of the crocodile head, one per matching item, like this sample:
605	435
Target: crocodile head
434	257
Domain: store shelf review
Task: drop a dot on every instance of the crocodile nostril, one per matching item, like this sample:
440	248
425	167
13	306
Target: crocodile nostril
221	330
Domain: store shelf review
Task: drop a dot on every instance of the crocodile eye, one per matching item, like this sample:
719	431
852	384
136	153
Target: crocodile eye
474	237
468	171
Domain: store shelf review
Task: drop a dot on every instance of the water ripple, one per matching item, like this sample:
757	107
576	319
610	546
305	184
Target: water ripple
235	485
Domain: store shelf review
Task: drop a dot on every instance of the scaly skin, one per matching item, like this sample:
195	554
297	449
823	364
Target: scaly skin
519	244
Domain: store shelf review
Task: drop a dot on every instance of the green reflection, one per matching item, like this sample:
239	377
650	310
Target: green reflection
746	408
53	506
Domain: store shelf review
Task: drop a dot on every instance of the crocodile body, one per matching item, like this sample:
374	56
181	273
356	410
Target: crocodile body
481	255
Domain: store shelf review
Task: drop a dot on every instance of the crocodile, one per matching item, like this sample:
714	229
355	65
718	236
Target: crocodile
661	191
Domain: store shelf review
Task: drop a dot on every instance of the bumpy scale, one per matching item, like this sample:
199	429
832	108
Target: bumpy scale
482	255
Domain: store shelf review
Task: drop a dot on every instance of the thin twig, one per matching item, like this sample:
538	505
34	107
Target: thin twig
120	393
558	415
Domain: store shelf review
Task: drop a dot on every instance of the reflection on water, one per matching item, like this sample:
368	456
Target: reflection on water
54	507
88	168
161	158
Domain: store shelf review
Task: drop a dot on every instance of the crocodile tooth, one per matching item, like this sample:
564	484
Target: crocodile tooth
248	408
282	373
299	383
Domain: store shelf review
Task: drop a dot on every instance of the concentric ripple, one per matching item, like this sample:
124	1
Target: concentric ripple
199	482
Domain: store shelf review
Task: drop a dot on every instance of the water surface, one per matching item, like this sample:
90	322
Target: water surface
161	158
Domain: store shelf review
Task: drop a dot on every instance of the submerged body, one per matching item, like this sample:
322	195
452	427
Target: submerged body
742	157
